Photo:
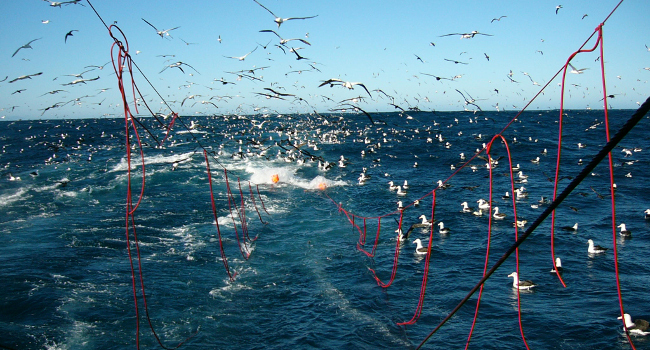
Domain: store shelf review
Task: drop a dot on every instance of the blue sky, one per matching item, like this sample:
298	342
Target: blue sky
372	42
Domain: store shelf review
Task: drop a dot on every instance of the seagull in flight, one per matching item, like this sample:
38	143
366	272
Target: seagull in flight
282	41
280	20
469	101
437	77
162	33
178	65
467	35
457	62
69	34
241	58
26	46
29	76
576	71
557	8
497	19
345	84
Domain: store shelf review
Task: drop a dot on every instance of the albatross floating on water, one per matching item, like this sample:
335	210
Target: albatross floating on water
424	223
420	249
624	232
558	266
638	327
595	249
571	228
442	229
497	215
522	285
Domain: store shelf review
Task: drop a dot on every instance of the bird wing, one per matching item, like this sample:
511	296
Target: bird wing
270	31
331	81
264	7
641	325
278	93
286	19
365	88
150	24
451	34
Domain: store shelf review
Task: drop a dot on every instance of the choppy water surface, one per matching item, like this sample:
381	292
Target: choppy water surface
66	275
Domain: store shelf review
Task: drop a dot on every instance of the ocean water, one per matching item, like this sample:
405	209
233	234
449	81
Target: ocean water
66	273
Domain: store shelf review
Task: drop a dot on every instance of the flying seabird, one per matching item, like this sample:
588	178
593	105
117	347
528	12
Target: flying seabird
162	33
345	84
69	34
456	62
28	76
522	285
576	71
420	249
557	8
178	65
280	20
497	19
282	41
241	58
595	249
467	35
638	327
26	46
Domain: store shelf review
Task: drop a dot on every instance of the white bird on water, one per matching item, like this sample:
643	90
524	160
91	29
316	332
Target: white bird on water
595	249
558	266
420	249
638	327
624	232
497	215
442	229
521	285
424	223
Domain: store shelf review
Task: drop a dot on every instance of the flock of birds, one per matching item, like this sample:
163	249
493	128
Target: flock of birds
212	102
297	148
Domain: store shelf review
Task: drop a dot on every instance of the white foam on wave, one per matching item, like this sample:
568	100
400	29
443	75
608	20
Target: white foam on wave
150	160
287	175
8	199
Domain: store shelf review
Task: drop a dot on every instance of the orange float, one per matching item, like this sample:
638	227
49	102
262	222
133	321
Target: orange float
275	178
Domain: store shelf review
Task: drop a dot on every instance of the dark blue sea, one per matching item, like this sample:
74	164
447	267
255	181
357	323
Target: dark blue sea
67	280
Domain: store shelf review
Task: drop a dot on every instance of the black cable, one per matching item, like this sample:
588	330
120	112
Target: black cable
625	129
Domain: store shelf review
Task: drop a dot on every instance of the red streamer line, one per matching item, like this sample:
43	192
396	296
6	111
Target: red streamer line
216	220
231	203
255	204
425	274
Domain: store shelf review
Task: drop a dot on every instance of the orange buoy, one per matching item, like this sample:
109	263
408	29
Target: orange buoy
275	178
321	186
